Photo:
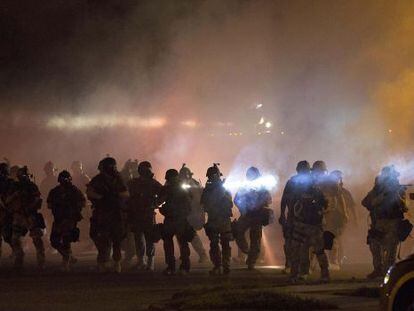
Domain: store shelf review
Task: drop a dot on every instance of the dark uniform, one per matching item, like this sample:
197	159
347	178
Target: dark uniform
386	205
107	193
66	202
252	205
307	233
144	194
24	203
288	202
217	203
6	217
176	209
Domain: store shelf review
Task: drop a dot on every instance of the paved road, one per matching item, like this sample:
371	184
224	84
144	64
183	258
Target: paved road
85	289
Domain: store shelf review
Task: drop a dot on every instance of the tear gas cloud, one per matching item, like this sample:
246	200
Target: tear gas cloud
264	83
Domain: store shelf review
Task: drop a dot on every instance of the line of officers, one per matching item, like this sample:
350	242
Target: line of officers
119	208
315	207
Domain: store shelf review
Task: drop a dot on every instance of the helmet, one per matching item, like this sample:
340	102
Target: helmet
337	173
185	172
49	167
107	165
213	171
390	171
23	173
145	169
171	174
303	167
76	166
4	169
64	177
253	173
319	167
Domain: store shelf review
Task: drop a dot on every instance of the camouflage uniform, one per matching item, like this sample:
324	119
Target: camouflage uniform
23	203
217	203
307	230
288	201
66	203
386	205
144	192
107	228
251	204
176	209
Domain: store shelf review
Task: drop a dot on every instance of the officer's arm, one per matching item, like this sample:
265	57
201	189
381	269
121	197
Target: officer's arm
92	194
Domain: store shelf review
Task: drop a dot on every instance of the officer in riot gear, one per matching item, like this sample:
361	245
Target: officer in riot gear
386	205
309	205
24	203
176	208
217	203
252	204
66	202
144	195
6	218
108	194
197	215
287	203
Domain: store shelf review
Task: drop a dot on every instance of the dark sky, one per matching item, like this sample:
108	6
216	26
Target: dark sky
335	76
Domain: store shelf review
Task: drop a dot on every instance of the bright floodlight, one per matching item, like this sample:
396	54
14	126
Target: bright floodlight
267	182
268	125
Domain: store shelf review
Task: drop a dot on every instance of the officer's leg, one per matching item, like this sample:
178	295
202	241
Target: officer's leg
215	255
226	251
198	247
129	246
116	249
56	239
255	241
150	249
36	235
376	251
317	243
184	253
295	258
391	242
169	252
103	245
243	224
16	242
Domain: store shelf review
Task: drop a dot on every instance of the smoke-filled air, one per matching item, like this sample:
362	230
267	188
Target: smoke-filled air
238	82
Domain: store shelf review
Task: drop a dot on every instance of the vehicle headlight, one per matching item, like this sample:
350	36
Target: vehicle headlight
387	276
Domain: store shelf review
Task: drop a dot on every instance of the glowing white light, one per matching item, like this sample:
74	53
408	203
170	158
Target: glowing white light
267	182
262	121
268	125
390	131
185	186
99	121
258	106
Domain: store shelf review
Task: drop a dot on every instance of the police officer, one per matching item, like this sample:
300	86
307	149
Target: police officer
386	205
107	193
79	178
23	203
144	195
309	205
5	217
176	209
252	203
197	216
66	202
217	203
287	203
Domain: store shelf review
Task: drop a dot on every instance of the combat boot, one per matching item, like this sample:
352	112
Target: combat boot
226	270
215	271
65	265
325	277
117	266
169	271
150	264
